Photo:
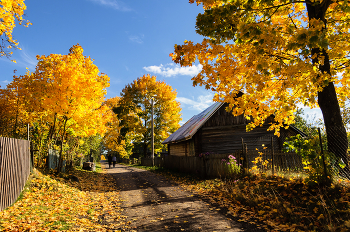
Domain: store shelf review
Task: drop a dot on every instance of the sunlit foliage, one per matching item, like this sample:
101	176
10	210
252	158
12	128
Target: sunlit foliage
135	110
62	98
267	50
115	140
10	11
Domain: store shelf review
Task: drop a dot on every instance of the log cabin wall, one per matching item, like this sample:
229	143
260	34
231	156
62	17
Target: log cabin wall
224	118
184	148
223	140
223	134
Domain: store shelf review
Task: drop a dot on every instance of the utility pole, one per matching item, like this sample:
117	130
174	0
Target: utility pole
152	134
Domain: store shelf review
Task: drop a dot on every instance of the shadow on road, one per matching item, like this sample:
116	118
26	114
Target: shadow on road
153	203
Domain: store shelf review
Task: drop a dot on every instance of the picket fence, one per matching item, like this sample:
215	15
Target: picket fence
14	169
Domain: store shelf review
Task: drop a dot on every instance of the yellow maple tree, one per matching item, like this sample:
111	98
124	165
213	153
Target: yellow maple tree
10	11
134	110
63	97
114	140
281	54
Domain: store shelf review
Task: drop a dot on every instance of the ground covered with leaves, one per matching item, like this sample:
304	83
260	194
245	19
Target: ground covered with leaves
275	203
77	201
89	201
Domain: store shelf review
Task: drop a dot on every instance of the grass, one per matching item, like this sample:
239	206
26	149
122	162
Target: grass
274	202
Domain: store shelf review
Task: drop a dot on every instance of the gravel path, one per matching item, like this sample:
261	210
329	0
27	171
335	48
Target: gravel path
153	203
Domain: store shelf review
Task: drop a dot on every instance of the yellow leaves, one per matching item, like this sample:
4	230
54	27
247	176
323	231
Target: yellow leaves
270	60
10	11
135	109
347	223
261	212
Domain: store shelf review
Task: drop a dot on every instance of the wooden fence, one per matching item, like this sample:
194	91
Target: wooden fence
212	166
14	169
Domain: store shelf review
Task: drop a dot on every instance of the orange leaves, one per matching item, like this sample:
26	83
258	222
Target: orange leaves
268	56
61	204
276	203
135	109
69	86
10	11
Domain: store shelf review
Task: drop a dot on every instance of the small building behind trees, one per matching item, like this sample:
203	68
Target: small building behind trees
216	131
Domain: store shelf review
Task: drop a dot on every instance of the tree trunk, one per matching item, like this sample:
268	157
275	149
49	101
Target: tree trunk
60	163
145	149
327	99
49	139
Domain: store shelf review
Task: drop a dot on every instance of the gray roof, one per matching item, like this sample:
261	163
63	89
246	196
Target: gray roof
187	130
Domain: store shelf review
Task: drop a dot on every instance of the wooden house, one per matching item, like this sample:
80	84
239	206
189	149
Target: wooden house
217	131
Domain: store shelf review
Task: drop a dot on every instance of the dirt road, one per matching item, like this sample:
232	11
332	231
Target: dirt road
153	203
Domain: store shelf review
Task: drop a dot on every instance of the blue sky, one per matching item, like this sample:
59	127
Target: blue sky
126	39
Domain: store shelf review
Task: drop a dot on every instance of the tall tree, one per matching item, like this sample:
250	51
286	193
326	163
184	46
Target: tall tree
116	139
10	11
280	54
134	110
64	96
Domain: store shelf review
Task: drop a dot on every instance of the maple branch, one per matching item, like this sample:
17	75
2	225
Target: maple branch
292	21
343	65
269	8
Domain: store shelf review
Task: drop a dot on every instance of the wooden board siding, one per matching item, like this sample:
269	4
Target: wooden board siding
229	139
14	169
222	133
224	118
185	148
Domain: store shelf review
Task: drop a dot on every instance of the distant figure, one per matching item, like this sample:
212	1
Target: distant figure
114	161
109	160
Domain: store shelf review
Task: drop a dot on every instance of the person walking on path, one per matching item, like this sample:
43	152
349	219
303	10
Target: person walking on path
114	161
109	160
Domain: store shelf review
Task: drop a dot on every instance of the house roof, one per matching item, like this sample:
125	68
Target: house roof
187	130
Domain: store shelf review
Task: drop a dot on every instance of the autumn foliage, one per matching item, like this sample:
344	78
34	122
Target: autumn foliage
51	203
115	140
264	48
62	99
134	111
281	54
10	11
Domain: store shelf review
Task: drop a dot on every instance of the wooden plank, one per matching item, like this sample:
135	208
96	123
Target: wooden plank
14	169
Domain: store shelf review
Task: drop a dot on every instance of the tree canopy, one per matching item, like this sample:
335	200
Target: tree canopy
280	54
10	11
115	139
134	110
62	98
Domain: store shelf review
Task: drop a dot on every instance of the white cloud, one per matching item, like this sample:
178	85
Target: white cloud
28	60
170	70
4	84
115	4
24	60
136	39
202	102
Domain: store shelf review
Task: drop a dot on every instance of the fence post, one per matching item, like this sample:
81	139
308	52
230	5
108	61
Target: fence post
31	158
272	157
246	158
244	154
324	164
